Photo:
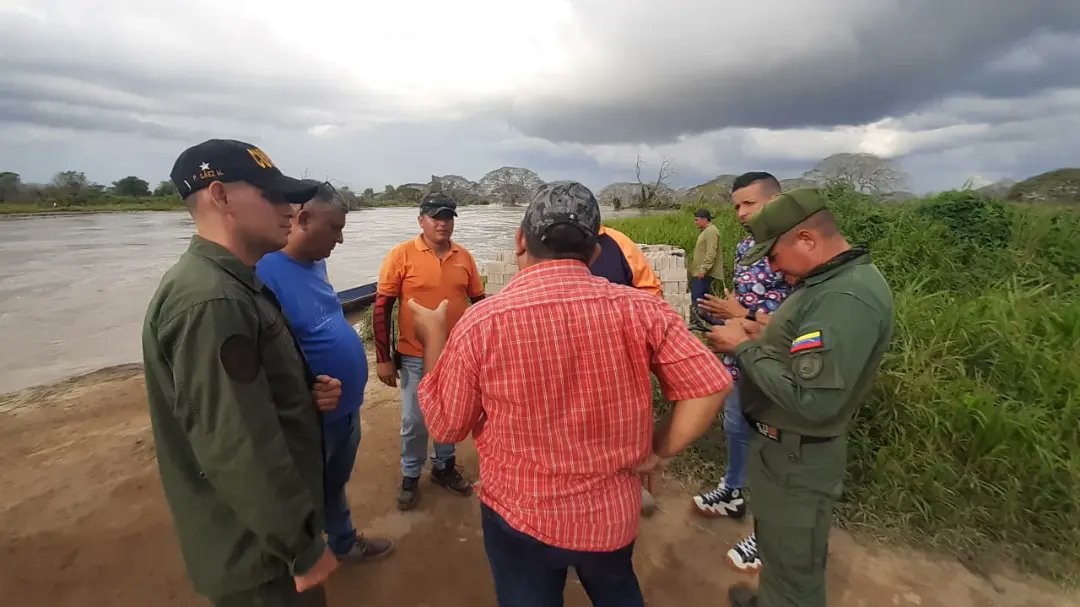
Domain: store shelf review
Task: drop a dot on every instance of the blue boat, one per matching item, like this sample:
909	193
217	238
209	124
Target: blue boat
357	297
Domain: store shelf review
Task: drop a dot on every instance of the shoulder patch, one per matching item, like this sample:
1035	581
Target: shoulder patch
809	366
240	358
809	341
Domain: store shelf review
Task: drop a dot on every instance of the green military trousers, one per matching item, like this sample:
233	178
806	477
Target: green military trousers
277	593
792	489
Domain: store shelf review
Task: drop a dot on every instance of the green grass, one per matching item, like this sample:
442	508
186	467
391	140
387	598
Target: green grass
102	204
970	440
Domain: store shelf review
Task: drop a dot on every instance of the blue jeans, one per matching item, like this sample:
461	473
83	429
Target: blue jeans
414	433
738	438
699	287
341	437
529	573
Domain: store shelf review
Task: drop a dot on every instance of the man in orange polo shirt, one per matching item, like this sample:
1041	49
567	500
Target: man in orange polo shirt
429	269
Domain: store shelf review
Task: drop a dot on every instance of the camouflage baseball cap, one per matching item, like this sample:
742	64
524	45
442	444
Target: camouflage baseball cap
562	203
437	203
778	216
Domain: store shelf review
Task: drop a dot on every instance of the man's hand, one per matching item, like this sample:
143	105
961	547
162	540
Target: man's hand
318	574
728	307
753	328
326	392
653	465
429	324
387	373
724	338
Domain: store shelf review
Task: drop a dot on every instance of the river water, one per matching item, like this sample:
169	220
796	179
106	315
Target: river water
74	288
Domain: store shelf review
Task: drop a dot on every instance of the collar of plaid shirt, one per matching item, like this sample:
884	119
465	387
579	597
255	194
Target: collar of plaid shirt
552	378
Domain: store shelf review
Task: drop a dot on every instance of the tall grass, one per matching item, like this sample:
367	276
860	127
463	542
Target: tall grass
970	440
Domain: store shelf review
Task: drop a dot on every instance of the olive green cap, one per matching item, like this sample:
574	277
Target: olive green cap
778	216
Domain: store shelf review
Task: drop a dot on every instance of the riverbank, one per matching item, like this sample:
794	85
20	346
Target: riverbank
50	208
84	523
149	204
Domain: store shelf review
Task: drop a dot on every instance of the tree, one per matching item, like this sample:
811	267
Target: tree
10	184
862	172
512	194
165	188
652	193
389	192
405	194
71	181
368	193
131	186
348	197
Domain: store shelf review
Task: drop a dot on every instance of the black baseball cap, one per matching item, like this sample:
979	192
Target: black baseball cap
437	202
704	214
563	203
228	160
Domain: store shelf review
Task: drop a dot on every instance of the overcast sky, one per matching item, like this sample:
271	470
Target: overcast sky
371	93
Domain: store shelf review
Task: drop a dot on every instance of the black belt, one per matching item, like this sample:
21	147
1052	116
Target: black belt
776	434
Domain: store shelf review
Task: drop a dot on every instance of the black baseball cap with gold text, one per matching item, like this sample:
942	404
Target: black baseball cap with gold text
229	160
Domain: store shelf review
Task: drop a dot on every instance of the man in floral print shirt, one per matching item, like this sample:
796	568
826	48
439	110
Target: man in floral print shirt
759	291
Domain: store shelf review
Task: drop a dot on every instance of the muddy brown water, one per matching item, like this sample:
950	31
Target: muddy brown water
74	288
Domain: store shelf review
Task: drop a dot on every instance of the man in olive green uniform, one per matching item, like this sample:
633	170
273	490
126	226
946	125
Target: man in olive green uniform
707	264
231	397
803	377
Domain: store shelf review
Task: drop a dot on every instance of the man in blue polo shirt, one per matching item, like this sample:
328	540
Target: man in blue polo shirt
297	276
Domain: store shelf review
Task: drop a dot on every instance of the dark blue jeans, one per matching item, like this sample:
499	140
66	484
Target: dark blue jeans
341	438
699	287
529	573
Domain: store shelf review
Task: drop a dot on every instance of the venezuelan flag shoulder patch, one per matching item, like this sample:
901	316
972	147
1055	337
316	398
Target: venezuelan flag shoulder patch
809	341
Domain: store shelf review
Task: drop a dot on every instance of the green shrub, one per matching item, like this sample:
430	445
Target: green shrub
970	439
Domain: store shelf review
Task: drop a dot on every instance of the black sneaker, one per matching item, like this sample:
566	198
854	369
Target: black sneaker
450	478
722	501
409	493
744	556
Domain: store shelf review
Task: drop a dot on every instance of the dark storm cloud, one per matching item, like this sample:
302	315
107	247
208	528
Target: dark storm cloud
889	63
91	86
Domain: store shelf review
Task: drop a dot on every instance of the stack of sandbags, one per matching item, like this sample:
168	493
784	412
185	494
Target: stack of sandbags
669	263
499	272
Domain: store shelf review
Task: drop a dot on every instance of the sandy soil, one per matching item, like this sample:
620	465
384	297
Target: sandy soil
83	522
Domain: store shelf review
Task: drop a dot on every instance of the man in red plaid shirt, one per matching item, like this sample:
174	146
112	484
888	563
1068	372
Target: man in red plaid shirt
552	378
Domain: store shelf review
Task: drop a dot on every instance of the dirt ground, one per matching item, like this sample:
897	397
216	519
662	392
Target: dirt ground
83	522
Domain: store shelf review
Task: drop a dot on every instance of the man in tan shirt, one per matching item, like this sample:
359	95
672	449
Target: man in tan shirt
707	264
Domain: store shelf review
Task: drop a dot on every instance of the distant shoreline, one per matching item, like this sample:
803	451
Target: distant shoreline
16	211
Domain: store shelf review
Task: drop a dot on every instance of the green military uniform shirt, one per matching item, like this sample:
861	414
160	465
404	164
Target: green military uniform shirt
237	433
707	258
816	359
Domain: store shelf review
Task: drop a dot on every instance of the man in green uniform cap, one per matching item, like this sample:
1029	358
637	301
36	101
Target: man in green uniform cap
803	377
232	402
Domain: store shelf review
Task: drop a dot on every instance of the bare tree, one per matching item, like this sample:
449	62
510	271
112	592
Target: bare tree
863	172
651	192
